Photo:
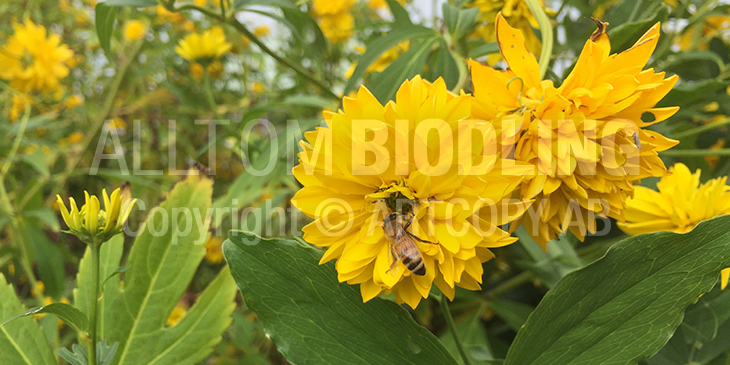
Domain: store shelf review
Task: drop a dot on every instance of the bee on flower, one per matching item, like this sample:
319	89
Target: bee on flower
678	205
407	201
94	225
586	138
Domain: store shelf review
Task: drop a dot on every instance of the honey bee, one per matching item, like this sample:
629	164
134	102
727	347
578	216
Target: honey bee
403	247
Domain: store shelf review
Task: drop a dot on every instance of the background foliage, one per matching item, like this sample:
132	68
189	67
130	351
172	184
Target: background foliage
131	88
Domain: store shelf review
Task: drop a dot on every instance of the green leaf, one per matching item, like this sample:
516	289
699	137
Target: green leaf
162	266
240	4
49	257
314	319
105	15
688	94
484	49
21	342
37	160
80	355
474	338
514	313
625	306
114	273
382	45
445	66
624	35
134	3
400	15
65	312
385	84
458	21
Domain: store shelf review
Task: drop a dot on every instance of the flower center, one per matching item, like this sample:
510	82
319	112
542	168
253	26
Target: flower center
397	197
26	60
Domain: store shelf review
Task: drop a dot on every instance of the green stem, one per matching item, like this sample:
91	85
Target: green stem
209	90
509	284
696	153
700	129
105	110
547	34
283	60
93	312
452	328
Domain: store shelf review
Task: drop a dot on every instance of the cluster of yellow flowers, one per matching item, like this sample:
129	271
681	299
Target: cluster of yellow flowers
401	207
383	61
335	19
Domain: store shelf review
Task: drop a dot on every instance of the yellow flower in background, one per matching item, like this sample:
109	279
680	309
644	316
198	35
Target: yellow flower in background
586	138
176	315
713	159
713	25
74	101
258	87
134	30
214	250
330	7
94	225
261	31
73	138
166	16
711	107
205	47
337	28
350	197
376	5
17	107
680	203
383	61
245	41
49	301
30	61
516	13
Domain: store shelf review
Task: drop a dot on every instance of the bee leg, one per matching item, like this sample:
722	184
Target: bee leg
421	240
393	262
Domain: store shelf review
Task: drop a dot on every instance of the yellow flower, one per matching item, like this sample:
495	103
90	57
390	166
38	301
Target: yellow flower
376	5
679	205
330	7
134	30
200	3
245	41
196	71
49	301
374	173
258	87
17	107
117	125
94	225
711	107
517	14
176	315
215	70
214	251
30	61
337	28
41	288
714	25
585	138
383	61
713	159
74	101
73	138
205	47
261	31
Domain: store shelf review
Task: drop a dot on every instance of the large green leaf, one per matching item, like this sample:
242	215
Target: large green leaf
625	306
385	84
474	339
104	18
65	312
160	272
21	342
382	45
312	318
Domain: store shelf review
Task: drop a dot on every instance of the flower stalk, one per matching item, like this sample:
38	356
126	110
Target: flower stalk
443	302
93	308
546	30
